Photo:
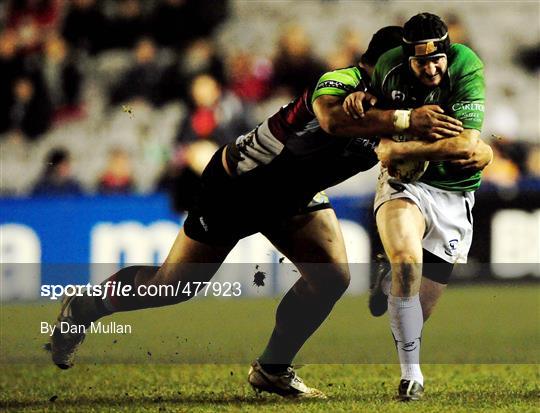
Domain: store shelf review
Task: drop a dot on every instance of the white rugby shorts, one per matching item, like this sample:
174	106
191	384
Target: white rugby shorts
447	214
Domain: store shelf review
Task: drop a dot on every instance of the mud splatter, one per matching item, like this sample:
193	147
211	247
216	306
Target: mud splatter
258	278
129	110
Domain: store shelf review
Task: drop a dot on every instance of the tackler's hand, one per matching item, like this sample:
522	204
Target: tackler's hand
353	105
429	122
481	157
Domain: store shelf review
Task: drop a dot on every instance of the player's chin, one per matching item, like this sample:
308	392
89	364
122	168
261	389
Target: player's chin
432	81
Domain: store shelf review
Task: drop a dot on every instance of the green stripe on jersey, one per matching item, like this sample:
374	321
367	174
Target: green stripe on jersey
339	82
466	184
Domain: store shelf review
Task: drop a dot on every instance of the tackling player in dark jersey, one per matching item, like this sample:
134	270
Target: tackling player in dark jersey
267	181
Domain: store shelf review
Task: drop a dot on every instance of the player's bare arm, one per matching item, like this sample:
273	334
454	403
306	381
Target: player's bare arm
467	150
482	156
430	122
335	121
426	122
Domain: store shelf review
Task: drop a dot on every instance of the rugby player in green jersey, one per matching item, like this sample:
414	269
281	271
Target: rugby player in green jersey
305	147
429	220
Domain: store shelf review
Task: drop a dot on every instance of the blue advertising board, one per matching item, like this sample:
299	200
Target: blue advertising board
76	240
65	239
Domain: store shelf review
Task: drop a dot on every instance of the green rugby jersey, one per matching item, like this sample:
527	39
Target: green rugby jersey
340	82
461	94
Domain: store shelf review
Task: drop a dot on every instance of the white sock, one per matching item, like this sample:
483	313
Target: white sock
406	321
386	283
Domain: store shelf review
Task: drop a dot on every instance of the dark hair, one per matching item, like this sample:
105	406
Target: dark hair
422	27
385	39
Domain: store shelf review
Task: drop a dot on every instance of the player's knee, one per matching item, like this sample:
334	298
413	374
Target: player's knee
342	281
406	262
406	273
336	281
403	257
325	279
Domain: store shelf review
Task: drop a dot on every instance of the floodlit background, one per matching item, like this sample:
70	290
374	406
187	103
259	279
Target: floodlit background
127	86
111	109
108	112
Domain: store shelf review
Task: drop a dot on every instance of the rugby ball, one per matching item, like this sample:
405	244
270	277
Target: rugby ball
404	170
407	171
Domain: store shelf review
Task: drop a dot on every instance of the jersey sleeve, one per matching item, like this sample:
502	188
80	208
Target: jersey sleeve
339	82
466	102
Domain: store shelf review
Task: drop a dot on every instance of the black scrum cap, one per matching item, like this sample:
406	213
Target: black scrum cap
425	35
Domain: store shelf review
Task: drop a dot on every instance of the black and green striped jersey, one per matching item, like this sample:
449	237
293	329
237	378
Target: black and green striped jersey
292	145
339	82
461	94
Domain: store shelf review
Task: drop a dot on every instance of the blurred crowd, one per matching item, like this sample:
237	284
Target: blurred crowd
46	52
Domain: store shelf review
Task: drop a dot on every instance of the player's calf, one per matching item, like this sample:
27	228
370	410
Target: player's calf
379	289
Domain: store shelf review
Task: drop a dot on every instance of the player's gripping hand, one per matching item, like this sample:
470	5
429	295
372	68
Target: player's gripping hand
353	105
481	157
429	122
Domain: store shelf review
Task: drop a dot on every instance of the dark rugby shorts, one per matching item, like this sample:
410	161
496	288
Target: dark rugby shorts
229	208
435	268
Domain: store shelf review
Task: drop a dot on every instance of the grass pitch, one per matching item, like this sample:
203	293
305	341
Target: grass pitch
482	345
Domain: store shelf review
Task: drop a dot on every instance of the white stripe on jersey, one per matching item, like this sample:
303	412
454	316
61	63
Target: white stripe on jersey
258	147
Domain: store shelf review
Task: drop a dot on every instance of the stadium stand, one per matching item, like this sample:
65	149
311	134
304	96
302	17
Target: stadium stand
147	130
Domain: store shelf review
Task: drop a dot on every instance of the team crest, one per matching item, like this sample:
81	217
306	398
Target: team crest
398	96
451	248
423	49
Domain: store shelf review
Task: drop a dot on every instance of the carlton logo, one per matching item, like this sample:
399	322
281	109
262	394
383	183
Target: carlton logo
468	106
